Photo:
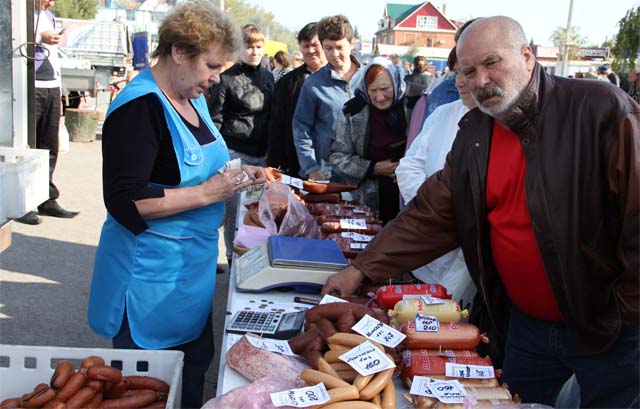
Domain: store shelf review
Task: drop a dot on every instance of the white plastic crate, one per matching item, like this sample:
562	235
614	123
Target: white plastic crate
23	367
25	181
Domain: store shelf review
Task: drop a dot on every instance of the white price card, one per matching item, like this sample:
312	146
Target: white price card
448	391
295	182
358	246
359	211
367	359
365	238
427	323
328	299
428	299
273	345
376	330
469	371
420	386
353	224
301	397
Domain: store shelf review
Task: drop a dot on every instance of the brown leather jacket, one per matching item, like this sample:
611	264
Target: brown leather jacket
581	141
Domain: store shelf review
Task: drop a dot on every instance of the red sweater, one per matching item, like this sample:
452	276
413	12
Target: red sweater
513	244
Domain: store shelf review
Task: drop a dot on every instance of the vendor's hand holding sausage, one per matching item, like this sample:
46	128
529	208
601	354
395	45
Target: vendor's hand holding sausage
344	283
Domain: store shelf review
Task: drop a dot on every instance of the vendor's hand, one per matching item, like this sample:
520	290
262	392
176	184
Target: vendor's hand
256	174
50	37
385	168
317	175
220	187
344	283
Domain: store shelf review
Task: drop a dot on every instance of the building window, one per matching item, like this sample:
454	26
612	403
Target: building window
428	22
429	42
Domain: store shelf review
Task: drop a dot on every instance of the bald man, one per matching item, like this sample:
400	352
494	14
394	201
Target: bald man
541	191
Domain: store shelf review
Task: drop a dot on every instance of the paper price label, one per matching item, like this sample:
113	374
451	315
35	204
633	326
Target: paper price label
273	345
428	299
295	182
448	391
469	371
365	238
302	397
376	330
358	246
328	299
353	224
367	359
427	323
359	211
420	386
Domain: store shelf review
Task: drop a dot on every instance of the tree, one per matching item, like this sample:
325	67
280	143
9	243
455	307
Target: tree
627	42
80	9
575	41
356	34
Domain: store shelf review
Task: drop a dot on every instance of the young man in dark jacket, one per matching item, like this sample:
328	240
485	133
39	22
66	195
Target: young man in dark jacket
240	107
541	190
281	152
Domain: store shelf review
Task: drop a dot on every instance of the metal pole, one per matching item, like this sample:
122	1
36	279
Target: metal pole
565	54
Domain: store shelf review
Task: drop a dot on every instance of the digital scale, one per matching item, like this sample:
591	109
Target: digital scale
295	262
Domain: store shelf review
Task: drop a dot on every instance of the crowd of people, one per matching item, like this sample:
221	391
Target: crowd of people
515	189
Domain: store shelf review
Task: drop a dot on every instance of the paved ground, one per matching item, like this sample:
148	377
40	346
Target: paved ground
45	275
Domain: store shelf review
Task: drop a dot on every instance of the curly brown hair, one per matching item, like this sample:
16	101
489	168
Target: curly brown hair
193	27
335	28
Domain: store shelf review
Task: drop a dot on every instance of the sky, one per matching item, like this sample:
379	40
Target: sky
597	19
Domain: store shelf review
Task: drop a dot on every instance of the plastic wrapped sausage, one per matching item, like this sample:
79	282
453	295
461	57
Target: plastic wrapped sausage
451	335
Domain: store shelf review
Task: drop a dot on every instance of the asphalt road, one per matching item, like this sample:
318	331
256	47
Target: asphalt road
46	273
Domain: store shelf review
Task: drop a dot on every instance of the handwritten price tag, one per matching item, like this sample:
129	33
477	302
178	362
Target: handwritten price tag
295	182
358	246
378	331
273	345
427	323
367	359
328	299
469	371
428	299
448	391
420	386
353	224
365	238
302	397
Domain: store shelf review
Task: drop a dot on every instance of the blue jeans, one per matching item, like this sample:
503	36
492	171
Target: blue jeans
198	355
540	356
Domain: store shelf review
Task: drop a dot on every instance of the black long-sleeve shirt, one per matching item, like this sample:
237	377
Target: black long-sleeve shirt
137	150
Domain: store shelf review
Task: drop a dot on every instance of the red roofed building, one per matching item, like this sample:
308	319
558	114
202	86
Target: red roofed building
420	25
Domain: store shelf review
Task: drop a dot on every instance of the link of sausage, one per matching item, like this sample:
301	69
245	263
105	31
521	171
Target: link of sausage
97	386
41	394
10	403
136	398
90	361
147	382
114	391
55	404
81	398
96	401
61	375
104	373
73	385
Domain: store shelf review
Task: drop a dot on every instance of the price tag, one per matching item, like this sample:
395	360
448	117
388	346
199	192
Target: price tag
469	371
353	224
358	246
427	323
367	359
428	299
448	391
420	386
273	345
328	299
301	397
365	238
378	331
295	182
359	211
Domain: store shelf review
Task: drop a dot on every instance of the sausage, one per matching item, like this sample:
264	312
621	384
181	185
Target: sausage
334	227
347	375
323	366
147	382
336	218
157	405
377	384
389	295
314	377
361	381
338	348
327	197
406	310
326	328
40	396
136	398
416	362
345	322
351	340
313	355
298	343
61	375
376	400
451	335
55	404
334	356
81	398
486	382
104	373
452	352
114	391
96	401
10	403
90	361
341	394
341	366
97	386
352	404
389	396
73	385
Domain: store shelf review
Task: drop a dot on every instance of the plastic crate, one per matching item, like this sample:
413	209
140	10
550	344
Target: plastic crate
25	180
23	367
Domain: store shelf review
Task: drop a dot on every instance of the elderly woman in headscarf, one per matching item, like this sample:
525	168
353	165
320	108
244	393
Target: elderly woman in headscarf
371	136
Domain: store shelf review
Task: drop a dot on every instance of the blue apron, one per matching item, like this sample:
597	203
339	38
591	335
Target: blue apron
166	274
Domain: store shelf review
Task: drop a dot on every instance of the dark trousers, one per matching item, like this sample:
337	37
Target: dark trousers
47	105
198	355
540	356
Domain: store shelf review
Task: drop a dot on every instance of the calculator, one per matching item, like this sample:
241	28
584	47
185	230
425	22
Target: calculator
269	324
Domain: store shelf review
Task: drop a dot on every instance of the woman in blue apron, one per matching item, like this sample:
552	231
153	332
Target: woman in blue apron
155	267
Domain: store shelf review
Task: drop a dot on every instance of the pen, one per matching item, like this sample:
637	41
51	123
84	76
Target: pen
305	300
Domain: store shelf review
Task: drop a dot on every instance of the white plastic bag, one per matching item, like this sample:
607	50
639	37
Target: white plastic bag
284	215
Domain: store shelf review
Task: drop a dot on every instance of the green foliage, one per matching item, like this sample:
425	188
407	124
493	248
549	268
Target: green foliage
80	9
356	34
627	42
575	41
